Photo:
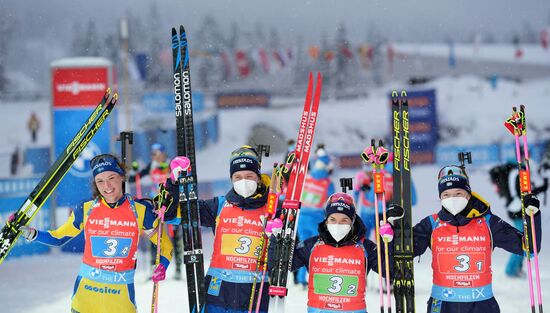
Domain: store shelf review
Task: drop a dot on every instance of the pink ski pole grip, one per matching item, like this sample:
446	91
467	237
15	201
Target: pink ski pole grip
178	164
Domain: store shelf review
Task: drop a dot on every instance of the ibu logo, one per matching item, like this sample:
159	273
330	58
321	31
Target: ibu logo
81	167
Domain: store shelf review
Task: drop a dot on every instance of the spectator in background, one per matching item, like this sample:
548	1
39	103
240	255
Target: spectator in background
33	125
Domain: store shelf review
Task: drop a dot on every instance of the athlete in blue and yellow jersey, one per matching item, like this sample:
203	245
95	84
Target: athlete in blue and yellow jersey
112	223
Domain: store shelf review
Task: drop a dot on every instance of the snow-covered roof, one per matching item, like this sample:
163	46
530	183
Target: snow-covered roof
81	61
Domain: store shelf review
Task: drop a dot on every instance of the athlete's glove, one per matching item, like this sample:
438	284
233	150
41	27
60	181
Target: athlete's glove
159	273
386	232
394	213
28	233
531	204
163	198
274	226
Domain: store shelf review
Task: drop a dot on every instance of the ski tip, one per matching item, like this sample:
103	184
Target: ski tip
403	93
182	29
115	96
515	109
108	91
174	31
394	94
522	108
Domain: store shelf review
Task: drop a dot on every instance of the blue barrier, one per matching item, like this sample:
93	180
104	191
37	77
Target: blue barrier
39	158
487	154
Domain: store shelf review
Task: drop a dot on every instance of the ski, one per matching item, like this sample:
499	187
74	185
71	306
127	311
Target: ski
185	139
291	205
30	207
403	243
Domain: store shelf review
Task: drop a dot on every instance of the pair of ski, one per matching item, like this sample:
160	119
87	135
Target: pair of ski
30	207
517	125
377	157
298	160
184	169
403	281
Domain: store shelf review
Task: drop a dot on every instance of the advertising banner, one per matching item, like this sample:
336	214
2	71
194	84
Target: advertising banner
78	84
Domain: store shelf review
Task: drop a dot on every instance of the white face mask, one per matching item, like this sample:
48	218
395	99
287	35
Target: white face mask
454	205
338	231
245	187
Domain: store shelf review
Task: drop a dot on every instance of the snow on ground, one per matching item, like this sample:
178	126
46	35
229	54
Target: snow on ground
43	284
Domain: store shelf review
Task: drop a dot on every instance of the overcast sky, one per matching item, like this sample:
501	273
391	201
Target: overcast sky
426	20
409	20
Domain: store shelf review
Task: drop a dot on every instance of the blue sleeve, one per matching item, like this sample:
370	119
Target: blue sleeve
422	234
507	237
164	261
413	194
209	210
302	252
149	216
70	229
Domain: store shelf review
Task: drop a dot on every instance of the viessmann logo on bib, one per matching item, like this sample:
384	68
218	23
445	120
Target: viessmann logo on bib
107	222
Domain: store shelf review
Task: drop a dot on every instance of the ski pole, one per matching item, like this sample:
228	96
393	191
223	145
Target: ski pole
513	125
160	212
261	260
382	156
369	156
523	130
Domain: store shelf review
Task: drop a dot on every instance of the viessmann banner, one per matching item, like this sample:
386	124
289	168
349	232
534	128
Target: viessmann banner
78	87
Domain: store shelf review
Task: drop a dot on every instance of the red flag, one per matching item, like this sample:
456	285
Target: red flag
329	55
279	58
313	52
346	52
226	65
264	59
519	53
242	63
544	38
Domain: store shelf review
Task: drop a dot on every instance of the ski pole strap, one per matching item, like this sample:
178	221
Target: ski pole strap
107	277
382	155
368	155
